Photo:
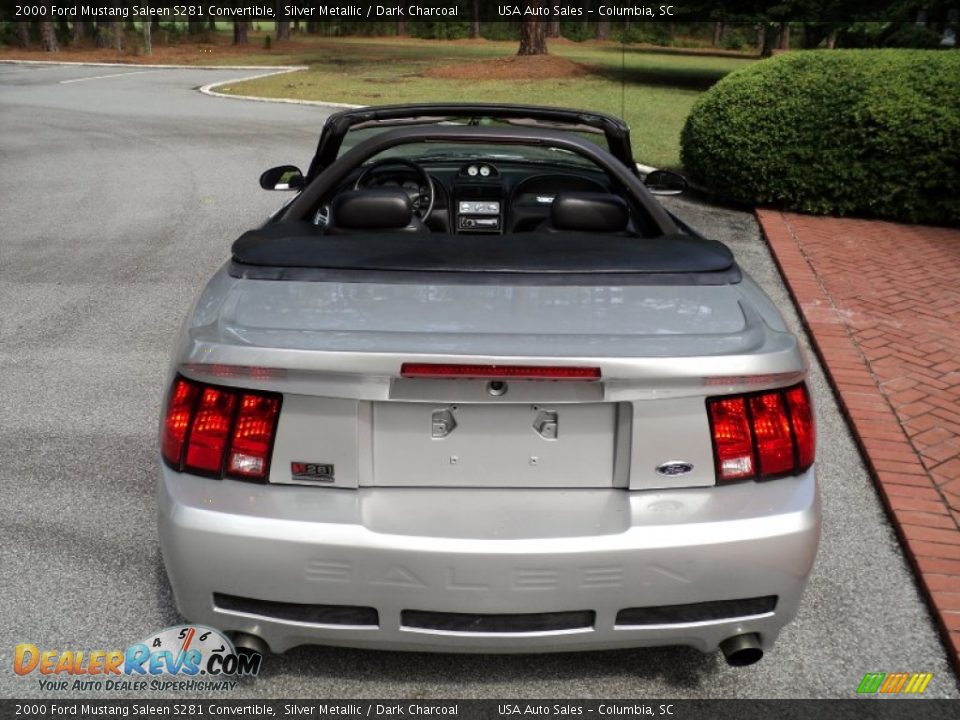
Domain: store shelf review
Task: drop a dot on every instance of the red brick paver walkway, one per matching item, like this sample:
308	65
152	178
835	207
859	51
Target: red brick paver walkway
881	302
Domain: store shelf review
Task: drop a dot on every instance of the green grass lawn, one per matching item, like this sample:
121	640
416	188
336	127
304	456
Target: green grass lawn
652	91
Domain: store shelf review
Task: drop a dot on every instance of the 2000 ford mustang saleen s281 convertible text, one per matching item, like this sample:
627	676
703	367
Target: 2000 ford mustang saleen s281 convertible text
473	389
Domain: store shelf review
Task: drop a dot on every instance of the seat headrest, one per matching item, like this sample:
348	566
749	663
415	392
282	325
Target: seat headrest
589	212
371	210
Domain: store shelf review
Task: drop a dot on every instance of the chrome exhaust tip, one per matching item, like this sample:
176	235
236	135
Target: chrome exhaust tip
742	650
247	643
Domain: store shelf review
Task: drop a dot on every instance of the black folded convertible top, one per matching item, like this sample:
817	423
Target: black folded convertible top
275	253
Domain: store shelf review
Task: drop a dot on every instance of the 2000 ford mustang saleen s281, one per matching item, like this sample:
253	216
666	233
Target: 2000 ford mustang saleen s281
473	389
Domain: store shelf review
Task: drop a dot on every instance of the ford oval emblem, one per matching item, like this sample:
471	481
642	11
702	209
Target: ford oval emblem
674	468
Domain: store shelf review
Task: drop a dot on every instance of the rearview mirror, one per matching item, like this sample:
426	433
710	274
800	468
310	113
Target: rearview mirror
664	182
284	177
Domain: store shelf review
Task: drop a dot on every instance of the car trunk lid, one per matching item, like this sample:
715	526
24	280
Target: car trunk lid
491	321
336	351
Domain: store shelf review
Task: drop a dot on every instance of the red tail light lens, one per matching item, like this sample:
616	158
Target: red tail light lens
762	435
732	443
771	427
252	438
177	420
208	432
801	421
215	431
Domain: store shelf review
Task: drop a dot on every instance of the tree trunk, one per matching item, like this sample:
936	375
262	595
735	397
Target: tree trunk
194	27
553	29
76	35
603	30
283	30
23	34
533	33
761	38
783	37
816	33
401	28
474	19
212	25
84	31
718	32
109	34
312	27
104	35
533	38
48	37
155	24
147	42
767	40
240	32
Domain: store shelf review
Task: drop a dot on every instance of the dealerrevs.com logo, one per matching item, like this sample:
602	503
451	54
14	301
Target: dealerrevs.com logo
185	657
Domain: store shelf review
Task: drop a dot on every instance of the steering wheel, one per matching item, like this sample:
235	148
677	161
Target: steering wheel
423	205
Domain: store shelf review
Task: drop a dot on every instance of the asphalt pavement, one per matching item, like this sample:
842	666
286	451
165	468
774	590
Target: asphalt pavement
122	189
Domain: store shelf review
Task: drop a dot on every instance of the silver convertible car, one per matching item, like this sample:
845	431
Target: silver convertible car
473	389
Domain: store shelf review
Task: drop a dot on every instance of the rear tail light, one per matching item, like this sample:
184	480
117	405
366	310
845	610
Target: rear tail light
209	429
762	435
771	428
732	441
801	420
253	436
218	431
177	420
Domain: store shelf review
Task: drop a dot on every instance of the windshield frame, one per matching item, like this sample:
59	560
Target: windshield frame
433	152
547	119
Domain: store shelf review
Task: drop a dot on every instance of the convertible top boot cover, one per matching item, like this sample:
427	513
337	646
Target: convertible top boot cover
299	251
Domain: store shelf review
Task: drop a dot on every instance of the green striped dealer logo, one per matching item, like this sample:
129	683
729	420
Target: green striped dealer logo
894	683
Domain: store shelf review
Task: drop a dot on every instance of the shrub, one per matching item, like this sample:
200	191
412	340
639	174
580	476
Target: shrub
888	34
440	30
8	34
841	132
911	35
732	40
576	31
646	33
499	31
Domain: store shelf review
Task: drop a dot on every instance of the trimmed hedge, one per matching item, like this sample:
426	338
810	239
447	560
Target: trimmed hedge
842	132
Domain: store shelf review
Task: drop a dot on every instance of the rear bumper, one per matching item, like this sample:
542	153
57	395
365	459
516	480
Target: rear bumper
408	556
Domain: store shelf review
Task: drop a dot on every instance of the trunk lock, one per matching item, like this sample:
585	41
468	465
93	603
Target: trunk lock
442	423
546	424
497	388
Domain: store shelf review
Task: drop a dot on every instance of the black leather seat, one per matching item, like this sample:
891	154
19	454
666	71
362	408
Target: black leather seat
364	211
588	212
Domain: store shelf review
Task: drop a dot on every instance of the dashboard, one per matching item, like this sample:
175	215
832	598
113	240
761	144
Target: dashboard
486	197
